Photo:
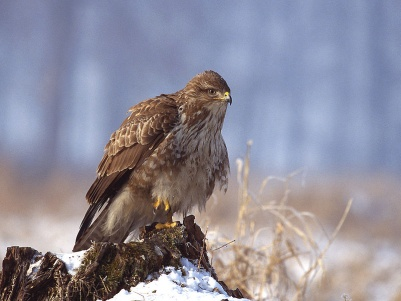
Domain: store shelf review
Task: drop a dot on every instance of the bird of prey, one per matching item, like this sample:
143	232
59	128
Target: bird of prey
166	157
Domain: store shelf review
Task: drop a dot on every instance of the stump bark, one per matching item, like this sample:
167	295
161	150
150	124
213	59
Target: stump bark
106	268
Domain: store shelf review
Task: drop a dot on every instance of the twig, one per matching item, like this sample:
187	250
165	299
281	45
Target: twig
225	245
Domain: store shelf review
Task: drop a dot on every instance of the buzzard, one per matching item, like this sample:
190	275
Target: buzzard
166	157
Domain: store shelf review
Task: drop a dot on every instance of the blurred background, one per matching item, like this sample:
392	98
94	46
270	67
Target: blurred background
316	85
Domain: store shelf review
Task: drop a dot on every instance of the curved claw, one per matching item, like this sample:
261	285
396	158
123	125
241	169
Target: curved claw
166	225
169	223
158	203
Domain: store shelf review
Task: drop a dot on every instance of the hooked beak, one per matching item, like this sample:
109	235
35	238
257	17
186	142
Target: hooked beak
228	98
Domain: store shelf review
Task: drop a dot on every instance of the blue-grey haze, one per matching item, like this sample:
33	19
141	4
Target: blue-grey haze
315	84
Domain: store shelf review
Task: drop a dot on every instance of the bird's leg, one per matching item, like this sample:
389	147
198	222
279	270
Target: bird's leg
167	208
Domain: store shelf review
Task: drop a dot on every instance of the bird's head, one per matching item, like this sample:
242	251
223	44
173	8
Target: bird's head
209	87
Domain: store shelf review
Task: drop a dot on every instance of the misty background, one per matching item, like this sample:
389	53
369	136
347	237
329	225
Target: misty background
315	84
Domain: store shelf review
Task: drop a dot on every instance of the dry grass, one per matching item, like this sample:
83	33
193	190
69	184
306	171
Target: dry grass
280	255
279	245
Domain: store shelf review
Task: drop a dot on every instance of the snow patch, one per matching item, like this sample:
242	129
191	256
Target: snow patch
72	260
184	283
34	267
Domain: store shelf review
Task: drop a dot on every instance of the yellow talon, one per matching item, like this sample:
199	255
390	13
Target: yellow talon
158	202
166	205
160	226
169	223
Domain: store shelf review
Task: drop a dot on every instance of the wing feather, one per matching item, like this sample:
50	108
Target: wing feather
129	146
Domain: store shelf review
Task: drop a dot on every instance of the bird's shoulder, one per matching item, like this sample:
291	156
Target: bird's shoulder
147	120
140	133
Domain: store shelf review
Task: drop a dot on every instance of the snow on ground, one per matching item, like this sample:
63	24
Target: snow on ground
186	283
364	269
72	260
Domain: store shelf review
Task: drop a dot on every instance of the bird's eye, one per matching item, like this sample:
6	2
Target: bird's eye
211	92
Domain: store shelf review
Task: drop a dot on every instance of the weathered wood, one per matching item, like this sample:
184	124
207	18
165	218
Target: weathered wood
15	268
105	269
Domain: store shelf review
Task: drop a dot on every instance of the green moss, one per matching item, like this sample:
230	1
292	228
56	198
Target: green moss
118	266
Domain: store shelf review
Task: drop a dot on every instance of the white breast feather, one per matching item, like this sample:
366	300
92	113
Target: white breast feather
189	187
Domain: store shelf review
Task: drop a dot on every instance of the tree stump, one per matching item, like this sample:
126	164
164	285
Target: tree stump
106	268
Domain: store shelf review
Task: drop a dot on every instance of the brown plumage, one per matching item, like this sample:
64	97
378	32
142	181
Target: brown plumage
169	151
